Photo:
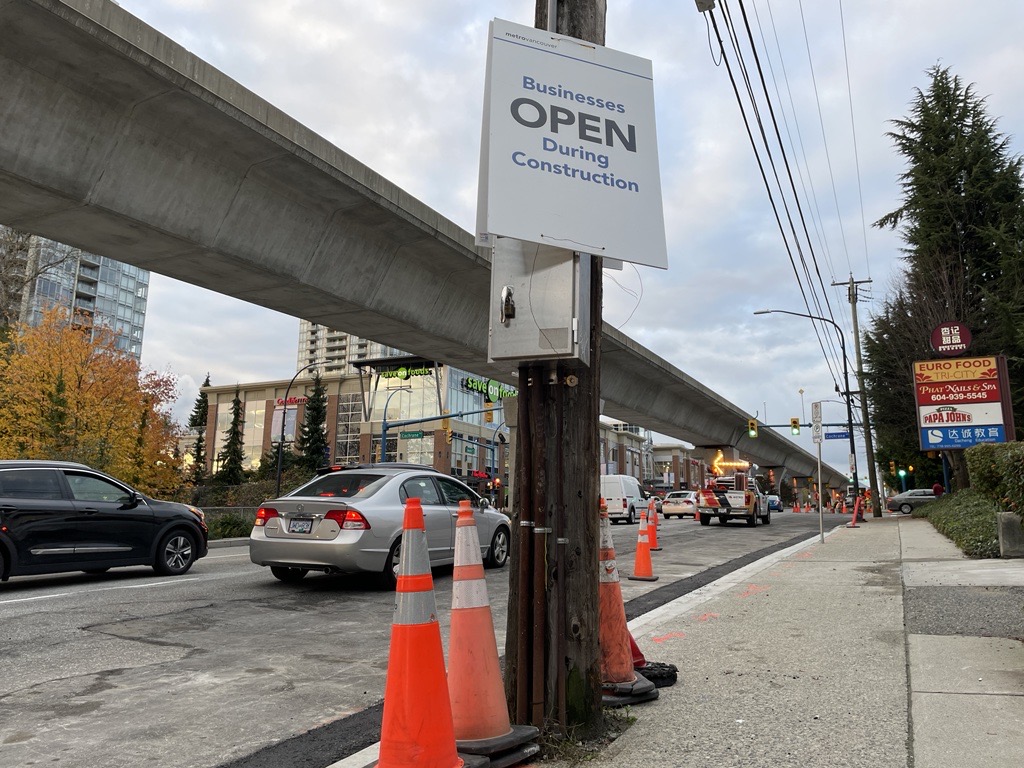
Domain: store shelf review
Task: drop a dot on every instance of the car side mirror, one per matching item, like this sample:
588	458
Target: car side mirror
132	500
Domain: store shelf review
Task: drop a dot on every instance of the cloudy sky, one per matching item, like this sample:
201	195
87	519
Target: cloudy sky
399	84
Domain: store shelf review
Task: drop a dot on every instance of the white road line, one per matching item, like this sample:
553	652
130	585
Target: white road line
100	589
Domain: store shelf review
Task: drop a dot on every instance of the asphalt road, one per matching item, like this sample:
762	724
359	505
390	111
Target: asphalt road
228	666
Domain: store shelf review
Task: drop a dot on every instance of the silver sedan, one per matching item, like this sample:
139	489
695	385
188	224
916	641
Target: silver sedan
350	521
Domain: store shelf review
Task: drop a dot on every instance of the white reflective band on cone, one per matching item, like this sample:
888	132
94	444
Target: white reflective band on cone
415	608
414	559
470	593
609	571
467	546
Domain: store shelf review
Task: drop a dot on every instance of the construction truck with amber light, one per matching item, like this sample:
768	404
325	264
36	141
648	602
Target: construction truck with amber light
733	497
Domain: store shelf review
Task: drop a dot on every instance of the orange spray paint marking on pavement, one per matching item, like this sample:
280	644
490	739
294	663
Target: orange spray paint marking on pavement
753	589
669	636
707	616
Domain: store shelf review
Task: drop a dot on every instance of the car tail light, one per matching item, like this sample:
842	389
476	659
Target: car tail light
265	513
624	504
348	519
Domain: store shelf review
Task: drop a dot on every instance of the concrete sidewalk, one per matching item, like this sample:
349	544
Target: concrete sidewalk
881	646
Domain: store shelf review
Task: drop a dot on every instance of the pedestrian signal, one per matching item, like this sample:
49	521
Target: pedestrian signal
794	425
752	427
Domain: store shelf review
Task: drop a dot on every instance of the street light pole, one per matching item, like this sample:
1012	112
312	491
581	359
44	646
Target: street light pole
284	420
846	382
384	421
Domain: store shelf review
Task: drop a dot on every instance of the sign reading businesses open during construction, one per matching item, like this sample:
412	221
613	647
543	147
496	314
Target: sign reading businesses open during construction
569	154
962	402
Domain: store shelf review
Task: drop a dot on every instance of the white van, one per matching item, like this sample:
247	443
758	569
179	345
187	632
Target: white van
624	497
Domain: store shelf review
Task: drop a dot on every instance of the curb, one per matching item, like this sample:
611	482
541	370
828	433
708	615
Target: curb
219	543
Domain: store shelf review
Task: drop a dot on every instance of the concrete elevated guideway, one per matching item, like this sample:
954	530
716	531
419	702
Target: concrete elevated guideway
115	139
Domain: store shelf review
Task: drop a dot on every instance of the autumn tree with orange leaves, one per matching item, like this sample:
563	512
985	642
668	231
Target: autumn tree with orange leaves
64	395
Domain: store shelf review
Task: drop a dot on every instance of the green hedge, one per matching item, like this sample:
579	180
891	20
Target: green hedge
968	519
997	473
230	524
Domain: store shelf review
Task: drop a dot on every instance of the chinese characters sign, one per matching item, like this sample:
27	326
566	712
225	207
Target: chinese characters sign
951	339
960	402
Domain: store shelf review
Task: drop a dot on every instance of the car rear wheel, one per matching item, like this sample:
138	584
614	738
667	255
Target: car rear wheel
389	576
752	519
497	555
631	517
705	520
288	574
176	553
767	519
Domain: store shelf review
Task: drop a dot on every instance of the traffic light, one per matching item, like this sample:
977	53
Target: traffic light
910	468
448	436
752	427
497	483
794	425
902	473
489	416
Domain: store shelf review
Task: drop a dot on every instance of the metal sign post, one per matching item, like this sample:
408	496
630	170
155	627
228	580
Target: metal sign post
816	436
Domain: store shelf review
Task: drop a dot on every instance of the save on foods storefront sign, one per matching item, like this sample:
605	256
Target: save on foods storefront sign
962	402
569	151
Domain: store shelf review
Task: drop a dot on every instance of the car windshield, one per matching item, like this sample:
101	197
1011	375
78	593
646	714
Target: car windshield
346	485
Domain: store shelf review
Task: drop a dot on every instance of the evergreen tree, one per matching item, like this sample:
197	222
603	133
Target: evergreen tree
231	457
197	423
962	222
312	438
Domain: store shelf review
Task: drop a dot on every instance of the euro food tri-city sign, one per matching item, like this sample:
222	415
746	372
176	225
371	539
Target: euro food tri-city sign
569	151
962	402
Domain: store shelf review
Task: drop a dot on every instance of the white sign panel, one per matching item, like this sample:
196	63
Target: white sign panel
963	415
569	151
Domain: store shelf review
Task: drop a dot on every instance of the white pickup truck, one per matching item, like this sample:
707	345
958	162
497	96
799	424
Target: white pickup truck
726	503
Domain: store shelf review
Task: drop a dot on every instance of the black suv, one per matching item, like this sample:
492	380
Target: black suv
57	516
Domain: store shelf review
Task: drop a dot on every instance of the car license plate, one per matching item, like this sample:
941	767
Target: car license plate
300	526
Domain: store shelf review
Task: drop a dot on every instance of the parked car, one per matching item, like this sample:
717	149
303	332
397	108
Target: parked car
908	501
60	516
774	503
680	504
350	520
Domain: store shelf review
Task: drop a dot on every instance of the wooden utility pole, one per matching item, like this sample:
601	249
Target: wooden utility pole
877	502
552	666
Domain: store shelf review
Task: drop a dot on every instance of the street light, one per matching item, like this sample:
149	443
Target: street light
384	421
284	420
846	382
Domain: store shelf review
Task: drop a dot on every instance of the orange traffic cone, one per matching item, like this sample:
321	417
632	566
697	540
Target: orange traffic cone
416	727
620	683
652	525
475	685
642	568
856	515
